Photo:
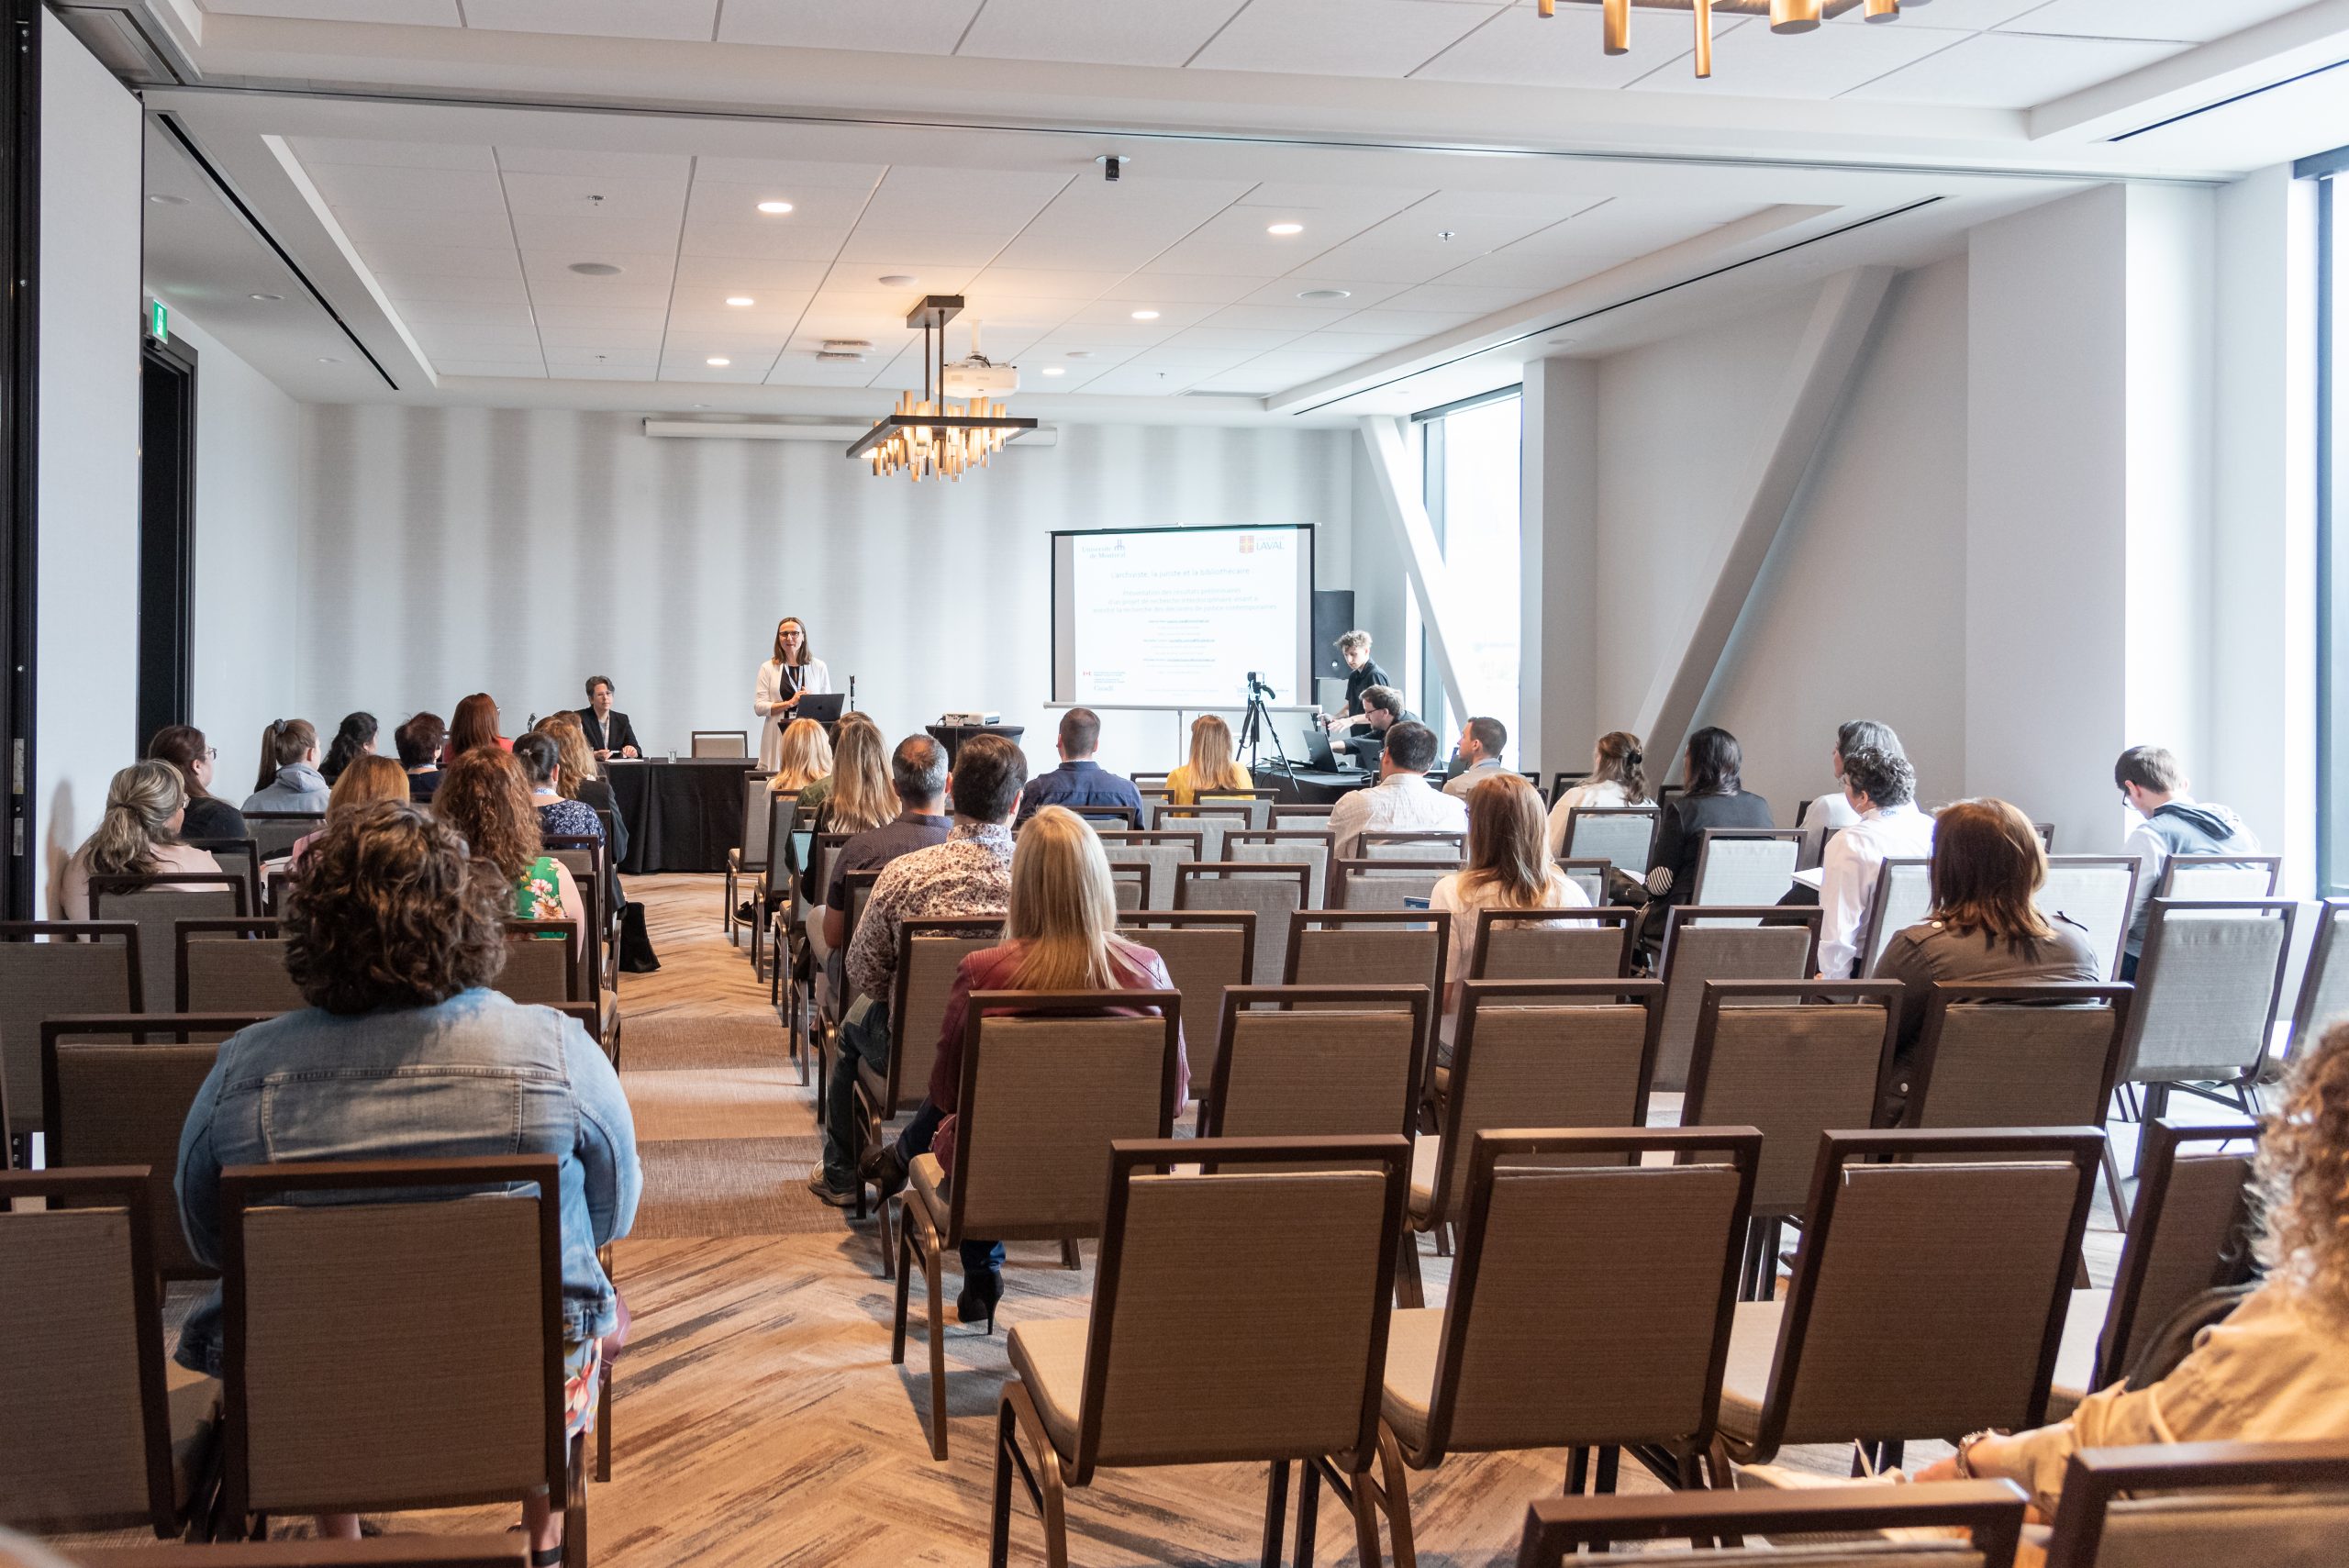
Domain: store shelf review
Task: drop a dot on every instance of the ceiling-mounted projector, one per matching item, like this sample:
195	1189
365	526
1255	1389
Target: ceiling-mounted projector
978	376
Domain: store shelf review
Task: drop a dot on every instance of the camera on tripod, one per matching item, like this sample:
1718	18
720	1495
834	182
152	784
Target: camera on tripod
1258	687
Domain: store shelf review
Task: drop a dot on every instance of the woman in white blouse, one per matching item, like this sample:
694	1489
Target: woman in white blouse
1617	778
782	680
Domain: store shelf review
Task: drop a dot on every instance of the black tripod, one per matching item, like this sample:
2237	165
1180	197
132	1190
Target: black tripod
1258	726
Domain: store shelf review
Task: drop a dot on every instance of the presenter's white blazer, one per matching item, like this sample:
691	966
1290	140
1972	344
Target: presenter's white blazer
767	703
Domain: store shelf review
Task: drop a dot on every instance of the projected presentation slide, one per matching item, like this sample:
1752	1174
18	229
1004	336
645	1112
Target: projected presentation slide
1176	618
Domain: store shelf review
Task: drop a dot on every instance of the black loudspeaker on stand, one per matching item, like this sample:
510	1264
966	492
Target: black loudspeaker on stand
1333	617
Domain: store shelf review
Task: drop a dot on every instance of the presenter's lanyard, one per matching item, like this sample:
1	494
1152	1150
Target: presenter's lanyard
791	679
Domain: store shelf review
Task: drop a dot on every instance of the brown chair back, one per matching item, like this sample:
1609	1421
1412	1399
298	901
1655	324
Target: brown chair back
1386	882
2188	1504
275	833
1044	1090
1211	822
1552	944
1283	1072
2192	1229
116	1090
1130	883
1206	951
1980	1308
1702	944
1814	1063
1554	1264
542	964
1312	847
1443	846
1161	852
1277	1351
475	1414
51	969
1368	947
2036	1055
1274	894
1989	1512
238	857
86	1443
929	952
234	966
157	904
1539	1053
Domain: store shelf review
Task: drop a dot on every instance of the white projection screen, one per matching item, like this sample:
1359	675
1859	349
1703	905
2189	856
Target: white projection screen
1176	618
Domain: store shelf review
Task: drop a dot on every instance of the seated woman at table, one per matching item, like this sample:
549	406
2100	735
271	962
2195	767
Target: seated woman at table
1211	767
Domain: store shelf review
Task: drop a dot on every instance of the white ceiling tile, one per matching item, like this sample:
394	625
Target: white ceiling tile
1416	324
1360	292
694	19
778	321
444	261
610	198
458	227
451	288
2193	20
415	13
315	150
1521	47
1138	381
871	250
1528	274
424	312
1164	32
1755	62
2013	70
597	162
1274	318
1096	225
907	27
389	188
1170	317
595	238
1963	15
1025	283
1000	200
608	339
531	370
495	340
1360	345
1458	298
1340	37
1410	246
721	275
1252	341
1189	288
636	267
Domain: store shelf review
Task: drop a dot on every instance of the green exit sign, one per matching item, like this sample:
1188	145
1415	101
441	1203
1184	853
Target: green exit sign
159	320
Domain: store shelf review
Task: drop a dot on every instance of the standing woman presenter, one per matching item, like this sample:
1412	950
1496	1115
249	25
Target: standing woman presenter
782	681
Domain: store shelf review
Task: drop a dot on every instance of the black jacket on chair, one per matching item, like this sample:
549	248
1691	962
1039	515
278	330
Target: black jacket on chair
608	734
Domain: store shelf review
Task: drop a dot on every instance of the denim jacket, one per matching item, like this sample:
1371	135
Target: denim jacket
477	1074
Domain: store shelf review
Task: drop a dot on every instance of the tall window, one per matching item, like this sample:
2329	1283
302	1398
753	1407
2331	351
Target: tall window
1470	475
2332	514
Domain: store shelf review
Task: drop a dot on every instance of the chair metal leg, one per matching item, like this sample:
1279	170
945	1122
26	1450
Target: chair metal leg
1276	1513
905	1287
937	1353
603	1424
1610	1458
1409	1291
999	1505
1072	1255
1395	1494
2113	1186
575	1509
1577	1471
1308	1512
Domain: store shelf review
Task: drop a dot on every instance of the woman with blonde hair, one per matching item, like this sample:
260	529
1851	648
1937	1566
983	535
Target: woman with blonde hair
791	674
364	778
1507	867
1212	766
802	756
1618	777
138	836
1059	934
856	797
579	778
2277	1368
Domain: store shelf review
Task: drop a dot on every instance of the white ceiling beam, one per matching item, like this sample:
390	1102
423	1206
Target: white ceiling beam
1816	378
2256	57
1406	514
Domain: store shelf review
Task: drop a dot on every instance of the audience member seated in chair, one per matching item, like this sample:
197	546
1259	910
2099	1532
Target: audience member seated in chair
968	873
805	760
475	724
855	798
2277	1368
1060	935
560	816
353	740
1882	788
185	748
1716	797
579	780
1079	780
1830	811
138	836
1618	778
1477	753
368	778
1402	801
1985	928
420	741
487	799
2173	823
917	784
289	783
1507	868
1212	766
394	935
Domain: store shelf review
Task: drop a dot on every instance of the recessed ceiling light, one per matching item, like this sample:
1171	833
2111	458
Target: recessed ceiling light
1078	354
168	201
595	268
1285	228
718	361
266	298
898	279
329	359
1056	369
1323	296
1145	316
740	299
774	207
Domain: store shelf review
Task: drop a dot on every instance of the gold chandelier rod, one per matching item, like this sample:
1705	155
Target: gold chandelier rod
1788	17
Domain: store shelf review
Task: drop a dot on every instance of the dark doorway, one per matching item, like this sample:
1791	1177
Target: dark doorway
166	533
20	29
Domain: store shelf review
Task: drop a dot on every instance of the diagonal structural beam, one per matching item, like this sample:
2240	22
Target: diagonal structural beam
1815	381
1406	515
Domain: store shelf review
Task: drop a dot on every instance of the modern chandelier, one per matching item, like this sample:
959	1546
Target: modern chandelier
1786	16
932	437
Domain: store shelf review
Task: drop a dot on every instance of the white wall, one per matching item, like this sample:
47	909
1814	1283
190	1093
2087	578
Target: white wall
86	701
451	550
248	555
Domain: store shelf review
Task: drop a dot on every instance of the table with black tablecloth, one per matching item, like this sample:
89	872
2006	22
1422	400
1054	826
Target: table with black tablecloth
951	736
682	815
1311	786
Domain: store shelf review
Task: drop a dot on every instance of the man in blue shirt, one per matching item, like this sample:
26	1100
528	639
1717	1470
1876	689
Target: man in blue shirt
1079	781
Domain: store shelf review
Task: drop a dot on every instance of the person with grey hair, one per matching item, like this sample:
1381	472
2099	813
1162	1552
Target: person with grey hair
1880	790
1829	811
918	773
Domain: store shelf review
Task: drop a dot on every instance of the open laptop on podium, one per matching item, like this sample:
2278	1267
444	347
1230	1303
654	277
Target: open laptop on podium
824	707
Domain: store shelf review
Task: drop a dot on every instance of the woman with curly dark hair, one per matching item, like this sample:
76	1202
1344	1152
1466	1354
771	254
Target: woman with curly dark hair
2276	1370
486	797
394	934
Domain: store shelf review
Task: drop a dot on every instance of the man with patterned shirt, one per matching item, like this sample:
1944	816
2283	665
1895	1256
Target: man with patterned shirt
970	873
